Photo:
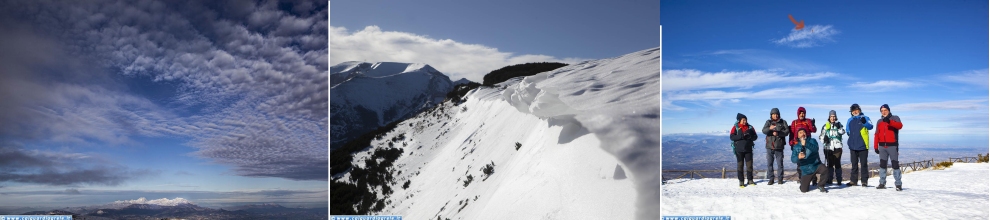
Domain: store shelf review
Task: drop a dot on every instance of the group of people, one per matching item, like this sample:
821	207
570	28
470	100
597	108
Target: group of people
805	150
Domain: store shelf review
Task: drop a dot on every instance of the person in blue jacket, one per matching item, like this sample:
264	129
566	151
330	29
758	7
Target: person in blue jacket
805	155
857	127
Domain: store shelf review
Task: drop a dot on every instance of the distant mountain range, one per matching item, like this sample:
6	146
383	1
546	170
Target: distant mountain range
187	211
712	150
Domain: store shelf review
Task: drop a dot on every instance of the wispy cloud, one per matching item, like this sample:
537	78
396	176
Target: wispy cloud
766	60
774	93
811	36
978	77
882	85
689	79
456	59
973	104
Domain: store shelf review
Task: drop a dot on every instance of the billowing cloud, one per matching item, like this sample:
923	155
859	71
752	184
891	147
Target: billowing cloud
812	36
246	82
456	59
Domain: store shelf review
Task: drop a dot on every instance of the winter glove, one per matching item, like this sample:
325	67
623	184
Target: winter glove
877	150
862	120
886	119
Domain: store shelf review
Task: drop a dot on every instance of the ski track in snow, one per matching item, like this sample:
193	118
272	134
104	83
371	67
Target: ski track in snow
958	192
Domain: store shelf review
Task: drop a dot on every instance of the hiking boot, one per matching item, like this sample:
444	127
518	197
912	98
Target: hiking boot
771	182
741	184
899	188
881	187
780	181
822	189
852	184
751	183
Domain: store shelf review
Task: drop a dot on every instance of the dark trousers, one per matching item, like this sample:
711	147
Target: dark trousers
860	166
778	157
834	165
748	158
806	179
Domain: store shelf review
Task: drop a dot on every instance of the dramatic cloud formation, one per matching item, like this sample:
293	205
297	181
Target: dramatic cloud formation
457	60
812	36
244	82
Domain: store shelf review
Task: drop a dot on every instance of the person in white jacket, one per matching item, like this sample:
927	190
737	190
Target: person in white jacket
831	137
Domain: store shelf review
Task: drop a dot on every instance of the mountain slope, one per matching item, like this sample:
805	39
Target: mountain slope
575	142
364	96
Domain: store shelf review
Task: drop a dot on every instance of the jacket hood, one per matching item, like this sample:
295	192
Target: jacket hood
775	111
801	109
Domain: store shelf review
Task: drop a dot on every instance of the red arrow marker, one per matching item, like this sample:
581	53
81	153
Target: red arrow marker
797	25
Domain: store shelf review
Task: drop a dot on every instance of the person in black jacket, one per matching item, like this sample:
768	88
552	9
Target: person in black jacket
776	131
742	136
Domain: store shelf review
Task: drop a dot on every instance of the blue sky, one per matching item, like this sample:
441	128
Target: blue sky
927	60
218	103
482	36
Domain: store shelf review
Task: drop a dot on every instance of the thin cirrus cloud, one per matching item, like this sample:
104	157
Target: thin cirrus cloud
457	60
688	85
882	85
247	83
978	77
813	36
690	79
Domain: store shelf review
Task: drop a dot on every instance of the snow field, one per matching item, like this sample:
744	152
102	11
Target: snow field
958	192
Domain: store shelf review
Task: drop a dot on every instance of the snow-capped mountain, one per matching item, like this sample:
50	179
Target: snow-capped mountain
365	96
462	81
579	142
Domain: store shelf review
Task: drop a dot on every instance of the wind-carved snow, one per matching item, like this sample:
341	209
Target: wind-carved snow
617	99
958	192
558	172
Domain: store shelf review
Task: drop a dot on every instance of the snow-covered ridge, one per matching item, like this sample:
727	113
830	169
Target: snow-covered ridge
579	142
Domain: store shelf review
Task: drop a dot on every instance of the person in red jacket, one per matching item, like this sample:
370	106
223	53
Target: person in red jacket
885	144
799	123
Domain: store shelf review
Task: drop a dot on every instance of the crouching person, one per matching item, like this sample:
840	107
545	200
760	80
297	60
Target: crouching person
805	155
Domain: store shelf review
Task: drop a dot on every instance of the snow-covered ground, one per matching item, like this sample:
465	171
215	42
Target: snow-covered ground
958	192
545	179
